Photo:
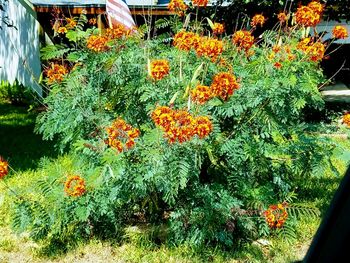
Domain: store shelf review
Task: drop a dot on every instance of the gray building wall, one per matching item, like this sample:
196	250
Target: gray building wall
19	47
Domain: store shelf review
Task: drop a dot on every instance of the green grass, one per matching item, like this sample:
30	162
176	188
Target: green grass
23	149
18	144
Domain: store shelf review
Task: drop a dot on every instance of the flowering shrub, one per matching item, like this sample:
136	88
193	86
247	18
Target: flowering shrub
204	139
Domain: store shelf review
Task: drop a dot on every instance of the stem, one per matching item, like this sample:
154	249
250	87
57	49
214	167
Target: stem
10	189
181	77
325	83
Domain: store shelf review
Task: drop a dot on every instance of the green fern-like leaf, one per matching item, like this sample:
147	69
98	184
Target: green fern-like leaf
287	232
22	216
53	51
303	211
162	23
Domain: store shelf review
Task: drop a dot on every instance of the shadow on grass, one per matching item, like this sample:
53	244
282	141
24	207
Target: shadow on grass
18	142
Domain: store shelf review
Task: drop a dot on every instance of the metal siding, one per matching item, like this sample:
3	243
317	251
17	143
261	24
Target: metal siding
19	49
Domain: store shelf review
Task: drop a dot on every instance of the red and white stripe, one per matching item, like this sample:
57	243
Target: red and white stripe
118	12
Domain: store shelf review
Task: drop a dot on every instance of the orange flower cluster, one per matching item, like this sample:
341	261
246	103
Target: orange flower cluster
282	17
159	69
304	43
62	30
4	170
314	50
317	7
178	7
203	3
74	186
180	125
97	43
55	73
276	215
340	32
223	85
243	39
306	16
186	40
277	65
346	120
92	21
121	134
257	20
71	23
116	32
218	29
201	94
210	47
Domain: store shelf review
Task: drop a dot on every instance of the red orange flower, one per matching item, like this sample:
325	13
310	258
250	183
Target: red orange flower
71	23
218	28
177	6
316	51
210	47
340	32
257	20
202	126
56	73
276	215
243	39
62	30
4	170
276	49
92	21
121	135
282	17
223	85
306	16
346	119
97	43
201	94
179	125
317	7
203	3
116	32
277	65
159	69
304	44
163	116
186	40
74	186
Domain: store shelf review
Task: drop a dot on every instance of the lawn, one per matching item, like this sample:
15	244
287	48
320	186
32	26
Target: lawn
18	143
24	149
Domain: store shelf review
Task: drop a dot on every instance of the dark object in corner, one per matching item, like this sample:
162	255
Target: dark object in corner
331	242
